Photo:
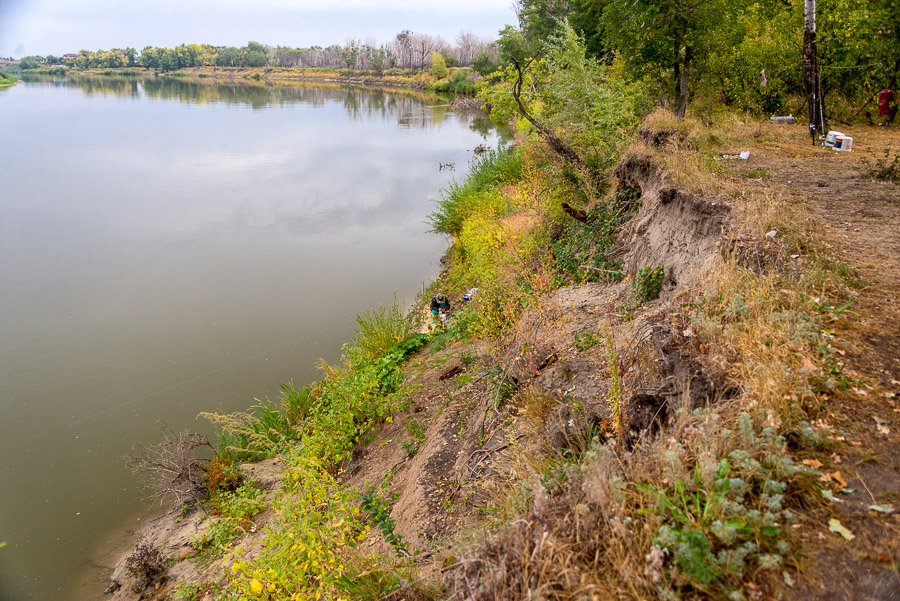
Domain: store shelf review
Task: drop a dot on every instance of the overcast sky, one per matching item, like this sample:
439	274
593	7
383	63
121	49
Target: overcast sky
41	27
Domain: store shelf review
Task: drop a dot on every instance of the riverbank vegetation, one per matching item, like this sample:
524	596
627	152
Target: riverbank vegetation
652	390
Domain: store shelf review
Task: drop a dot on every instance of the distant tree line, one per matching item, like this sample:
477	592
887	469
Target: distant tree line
407	50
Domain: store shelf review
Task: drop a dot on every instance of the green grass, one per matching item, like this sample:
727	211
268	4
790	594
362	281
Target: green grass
379	330
493	169
758	173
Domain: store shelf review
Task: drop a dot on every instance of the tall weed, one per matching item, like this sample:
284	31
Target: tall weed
379	330
478	192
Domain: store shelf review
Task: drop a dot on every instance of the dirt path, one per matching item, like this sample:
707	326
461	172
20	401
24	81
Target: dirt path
861	218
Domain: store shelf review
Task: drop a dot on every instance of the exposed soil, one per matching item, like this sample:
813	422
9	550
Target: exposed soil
432	477
861	217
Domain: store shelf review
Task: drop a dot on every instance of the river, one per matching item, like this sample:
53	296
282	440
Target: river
169	247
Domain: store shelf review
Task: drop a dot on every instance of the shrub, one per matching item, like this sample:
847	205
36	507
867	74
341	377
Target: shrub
222	475
885	168
302	554
146	564
242	504
586	340
173	470
582	251
485	63
438	66
594	108
647	283
459	83
350	401
598	107
379	512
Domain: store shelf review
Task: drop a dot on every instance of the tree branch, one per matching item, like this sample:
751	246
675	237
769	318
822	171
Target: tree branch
555	143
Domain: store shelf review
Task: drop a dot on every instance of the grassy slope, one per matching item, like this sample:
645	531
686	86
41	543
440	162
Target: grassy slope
727	502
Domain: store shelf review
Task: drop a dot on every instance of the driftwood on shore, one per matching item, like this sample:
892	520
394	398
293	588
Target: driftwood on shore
469	103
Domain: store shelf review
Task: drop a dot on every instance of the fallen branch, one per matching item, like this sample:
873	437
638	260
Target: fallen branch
489	452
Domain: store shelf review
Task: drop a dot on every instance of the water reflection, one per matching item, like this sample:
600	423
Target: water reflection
404	106
168	248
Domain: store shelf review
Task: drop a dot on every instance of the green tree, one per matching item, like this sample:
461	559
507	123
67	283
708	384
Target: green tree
542	20
379	59
586	18
670	35
149	58
83	60
28	62
768	51
228	56
485	63
257	55
595	106
582	109
859	47
351	53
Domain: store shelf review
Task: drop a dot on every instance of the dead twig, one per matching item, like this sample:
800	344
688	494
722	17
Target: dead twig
489	452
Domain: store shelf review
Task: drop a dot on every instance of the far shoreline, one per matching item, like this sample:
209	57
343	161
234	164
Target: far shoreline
403	79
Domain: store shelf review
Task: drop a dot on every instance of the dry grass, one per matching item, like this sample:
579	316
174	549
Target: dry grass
762	334
593	528
596	525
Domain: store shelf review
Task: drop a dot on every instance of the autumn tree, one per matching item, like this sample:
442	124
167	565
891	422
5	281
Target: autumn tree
438	66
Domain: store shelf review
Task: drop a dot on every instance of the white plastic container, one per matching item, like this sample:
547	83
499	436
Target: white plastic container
843	143
830	137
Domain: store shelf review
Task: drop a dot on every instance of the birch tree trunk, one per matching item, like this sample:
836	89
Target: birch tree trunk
814	101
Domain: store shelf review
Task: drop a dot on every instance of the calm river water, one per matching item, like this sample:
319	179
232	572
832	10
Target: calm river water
168	248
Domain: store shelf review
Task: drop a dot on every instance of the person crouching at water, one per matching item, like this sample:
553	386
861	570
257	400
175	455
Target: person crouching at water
440	305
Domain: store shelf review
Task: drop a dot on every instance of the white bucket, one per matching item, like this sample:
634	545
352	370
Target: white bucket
843	143
830	137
